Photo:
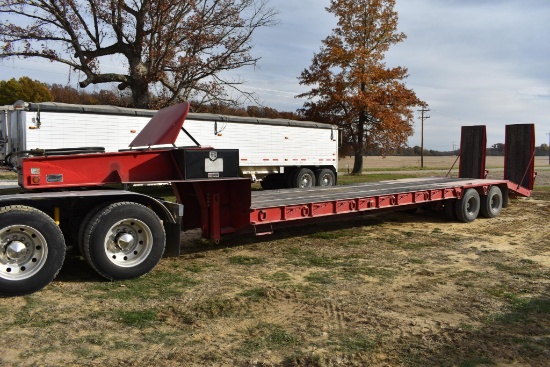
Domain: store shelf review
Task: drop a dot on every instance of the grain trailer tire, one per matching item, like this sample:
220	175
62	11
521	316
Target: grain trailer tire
303	178
325	177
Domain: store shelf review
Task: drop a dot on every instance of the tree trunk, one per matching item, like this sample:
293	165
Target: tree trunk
358	163
140	95
360	143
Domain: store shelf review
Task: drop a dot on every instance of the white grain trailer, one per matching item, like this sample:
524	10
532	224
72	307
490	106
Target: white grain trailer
279	152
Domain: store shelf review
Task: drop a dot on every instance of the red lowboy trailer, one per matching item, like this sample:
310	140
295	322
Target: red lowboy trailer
74	199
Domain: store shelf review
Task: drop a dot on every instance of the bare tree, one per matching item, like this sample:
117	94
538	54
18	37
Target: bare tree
179	47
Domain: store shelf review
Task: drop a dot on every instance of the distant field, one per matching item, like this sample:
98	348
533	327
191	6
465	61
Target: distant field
441	162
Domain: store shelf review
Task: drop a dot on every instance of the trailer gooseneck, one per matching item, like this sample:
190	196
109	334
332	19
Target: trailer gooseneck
122	234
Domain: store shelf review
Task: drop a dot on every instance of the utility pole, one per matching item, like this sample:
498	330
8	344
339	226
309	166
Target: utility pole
423	117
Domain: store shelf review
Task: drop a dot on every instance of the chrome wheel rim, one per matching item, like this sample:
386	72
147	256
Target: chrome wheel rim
326	180
23	252
306	180
128	242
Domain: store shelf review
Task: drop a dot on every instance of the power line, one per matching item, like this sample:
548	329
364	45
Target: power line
271	91
423	117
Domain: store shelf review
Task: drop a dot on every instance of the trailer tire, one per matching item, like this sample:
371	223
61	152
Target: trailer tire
491	204
32	250
325	177
289	178
505	196
279	181
449	208
467	208
267	182
124	240
304	177
273	181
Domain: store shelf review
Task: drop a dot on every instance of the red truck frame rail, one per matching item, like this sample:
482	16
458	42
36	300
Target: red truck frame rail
77	199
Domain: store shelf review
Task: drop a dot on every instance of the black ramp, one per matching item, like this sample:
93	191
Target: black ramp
473	146
519	166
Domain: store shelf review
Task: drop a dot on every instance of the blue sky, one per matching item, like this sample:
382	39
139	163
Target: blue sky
473	61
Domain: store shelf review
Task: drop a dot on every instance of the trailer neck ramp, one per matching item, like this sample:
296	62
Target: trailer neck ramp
163	128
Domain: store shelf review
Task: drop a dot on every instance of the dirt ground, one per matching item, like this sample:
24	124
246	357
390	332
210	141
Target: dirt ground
395	289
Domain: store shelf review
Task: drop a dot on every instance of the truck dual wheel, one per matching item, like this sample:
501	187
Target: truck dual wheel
124	240
325	177
84	225
304	177
467	208
491	204
32	250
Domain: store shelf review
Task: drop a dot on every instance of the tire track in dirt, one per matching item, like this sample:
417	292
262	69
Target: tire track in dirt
333	316
288	307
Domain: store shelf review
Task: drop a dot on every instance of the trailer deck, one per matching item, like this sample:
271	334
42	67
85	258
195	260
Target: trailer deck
285	197
283	205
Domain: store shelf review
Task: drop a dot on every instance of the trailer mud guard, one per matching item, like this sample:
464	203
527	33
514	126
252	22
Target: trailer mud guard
173	230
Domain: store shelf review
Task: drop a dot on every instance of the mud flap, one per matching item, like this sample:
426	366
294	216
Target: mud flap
173	230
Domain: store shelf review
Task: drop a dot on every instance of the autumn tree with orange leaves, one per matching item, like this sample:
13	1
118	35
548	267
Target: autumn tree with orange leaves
351	85
179	47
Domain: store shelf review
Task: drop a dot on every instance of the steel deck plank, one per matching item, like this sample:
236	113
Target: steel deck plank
286	197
